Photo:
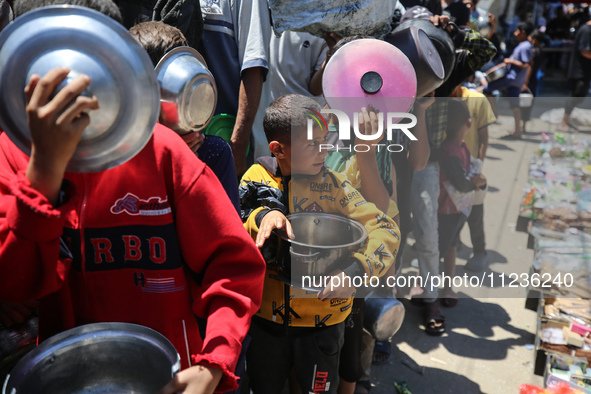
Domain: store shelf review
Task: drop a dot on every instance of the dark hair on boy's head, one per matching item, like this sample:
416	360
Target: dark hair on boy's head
285	113
526	27
538	35
106	7
458	115
347	40
158	38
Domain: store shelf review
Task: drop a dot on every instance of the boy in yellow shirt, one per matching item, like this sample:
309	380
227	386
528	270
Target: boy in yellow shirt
292	330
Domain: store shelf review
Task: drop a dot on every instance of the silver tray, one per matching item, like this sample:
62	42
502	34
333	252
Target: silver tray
88	42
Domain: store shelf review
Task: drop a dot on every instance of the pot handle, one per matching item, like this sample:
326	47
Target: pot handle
306	258
177	366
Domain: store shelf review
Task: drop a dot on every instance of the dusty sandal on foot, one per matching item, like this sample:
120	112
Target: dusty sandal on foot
434	320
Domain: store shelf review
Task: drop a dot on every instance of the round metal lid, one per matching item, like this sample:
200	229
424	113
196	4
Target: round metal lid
369	72
88	42
188	90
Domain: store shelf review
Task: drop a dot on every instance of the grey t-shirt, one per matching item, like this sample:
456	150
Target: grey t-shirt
579	66
521	53
294	57
235	37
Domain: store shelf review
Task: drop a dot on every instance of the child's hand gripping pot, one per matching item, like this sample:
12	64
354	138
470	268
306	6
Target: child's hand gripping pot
273	220
339	285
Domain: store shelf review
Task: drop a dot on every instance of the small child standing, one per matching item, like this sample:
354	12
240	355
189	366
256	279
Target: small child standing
517	66
293	333
457	183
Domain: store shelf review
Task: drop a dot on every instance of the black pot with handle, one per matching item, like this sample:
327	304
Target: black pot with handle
420	50
440	39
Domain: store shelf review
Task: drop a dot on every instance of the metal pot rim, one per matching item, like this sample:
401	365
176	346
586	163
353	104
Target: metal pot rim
342	219
137	111
175	51
90	331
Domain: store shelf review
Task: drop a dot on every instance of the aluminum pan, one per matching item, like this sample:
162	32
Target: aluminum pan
123	80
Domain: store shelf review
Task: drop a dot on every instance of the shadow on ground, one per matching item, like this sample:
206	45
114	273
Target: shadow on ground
469	334
417	377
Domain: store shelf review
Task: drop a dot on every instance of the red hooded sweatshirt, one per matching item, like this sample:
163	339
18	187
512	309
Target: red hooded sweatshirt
154	241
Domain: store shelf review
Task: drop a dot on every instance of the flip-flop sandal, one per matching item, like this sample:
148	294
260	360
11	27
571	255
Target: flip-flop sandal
382	351
434	322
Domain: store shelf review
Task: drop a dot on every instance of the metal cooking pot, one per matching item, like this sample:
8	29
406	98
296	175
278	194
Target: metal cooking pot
383	317
482	25
423	55
496	73
97	358
88	42
440	38
322	243
188	93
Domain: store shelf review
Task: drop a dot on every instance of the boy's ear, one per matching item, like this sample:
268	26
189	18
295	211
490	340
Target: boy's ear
469	123
278	149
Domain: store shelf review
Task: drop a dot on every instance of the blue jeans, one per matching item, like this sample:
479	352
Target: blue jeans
424	195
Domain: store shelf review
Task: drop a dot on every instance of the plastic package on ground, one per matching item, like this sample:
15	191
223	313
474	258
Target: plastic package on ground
553	335
342	17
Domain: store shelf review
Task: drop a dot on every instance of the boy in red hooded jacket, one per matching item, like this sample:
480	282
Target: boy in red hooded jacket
154	241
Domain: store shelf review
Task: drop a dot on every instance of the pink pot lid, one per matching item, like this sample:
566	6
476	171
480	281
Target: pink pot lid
369	72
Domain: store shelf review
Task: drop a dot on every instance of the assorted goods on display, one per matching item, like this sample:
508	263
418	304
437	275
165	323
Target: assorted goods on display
556	211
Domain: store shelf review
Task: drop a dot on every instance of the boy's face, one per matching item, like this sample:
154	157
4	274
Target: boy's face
470	4
520	35
306	156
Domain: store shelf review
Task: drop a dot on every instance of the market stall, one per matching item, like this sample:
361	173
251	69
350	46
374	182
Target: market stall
556	211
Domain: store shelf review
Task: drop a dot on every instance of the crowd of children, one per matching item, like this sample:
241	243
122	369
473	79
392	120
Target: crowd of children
61	240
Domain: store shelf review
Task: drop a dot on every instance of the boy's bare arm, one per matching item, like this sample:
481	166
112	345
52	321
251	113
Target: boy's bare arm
195	380
516	63
371	181
483	142
251	87
315	85
55	126
419	150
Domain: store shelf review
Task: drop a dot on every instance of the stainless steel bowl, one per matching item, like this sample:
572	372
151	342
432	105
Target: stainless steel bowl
322	243
188	90
496	73
88	42
482	25
97	358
